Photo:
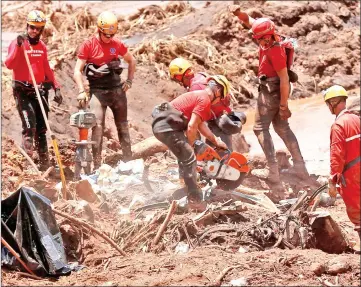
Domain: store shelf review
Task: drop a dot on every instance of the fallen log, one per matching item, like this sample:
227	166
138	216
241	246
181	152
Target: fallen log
148	147
143	149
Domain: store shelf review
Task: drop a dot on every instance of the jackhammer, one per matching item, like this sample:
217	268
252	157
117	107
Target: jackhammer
83	120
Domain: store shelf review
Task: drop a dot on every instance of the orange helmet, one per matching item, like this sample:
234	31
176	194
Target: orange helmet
262	27
36	18
107	23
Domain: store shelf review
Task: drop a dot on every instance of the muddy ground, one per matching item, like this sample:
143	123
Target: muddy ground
329	53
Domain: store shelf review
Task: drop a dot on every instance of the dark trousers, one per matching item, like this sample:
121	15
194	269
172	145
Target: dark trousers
267	112
178	144
33	123
116	100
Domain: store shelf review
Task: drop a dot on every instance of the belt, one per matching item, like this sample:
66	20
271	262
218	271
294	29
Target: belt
266	80
347	167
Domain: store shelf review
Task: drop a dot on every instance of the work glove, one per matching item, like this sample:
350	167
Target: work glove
332	189
20	39
234	9
220	144
285	113
82	99
58	98
127	85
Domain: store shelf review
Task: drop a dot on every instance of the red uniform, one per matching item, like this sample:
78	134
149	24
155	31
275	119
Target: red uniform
345	147
198	83
99	53
38	58
196	102
272	60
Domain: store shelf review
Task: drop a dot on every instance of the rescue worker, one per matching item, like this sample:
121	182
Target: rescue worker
33	123
98	58
344	153
272	103
176	124
224	122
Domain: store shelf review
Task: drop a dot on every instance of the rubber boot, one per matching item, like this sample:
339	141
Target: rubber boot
270	173
28	145
124	140
97	136
298	169
44	162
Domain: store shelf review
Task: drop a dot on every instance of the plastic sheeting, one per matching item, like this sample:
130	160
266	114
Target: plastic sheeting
29	226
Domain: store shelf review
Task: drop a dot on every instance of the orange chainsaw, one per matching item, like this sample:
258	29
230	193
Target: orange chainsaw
228	171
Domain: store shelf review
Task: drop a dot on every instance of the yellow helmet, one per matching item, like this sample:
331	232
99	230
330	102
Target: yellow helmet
107	23
178	67
334	91
222	80
36	18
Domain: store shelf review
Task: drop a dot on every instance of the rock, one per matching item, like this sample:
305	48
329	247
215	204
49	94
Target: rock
318	268
85	191
337	265
312	37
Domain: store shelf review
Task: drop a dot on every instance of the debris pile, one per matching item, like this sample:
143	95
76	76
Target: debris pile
153	17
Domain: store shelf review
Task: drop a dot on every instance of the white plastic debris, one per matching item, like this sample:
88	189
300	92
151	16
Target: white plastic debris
239	282
182	248
242	250
132	167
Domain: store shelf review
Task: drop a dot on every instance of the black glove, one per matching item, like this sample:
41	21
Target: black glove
58	98
20	39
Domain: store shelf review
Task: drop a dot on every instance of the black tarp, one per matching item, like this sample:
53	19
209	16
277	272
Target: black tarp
28	225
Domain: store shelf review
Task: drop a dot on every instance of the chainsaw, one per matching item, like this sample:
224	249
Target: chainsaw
229	171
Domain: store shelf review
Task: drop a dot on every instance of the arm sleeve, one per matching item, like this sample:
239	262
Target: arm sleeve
49	73
337	151
83	52
13	54
122	49
278	58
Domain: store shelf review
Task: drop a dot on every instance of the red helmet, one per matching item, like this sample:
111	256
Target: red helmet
261	27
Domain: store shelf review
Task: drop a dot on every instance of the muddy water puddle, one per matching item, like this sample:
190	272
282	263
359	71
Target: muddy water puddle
311	122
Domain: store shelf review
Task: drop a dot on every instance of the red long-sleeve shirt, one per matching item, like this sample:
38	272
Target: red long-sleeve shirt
38	58
345	143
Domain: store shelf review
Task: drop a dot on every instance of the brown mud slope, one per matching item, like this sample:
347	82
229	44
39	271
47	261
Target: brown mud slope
328	35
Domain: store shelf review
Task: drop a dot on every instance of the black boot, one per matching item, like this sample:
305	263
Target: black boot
42	147
124	140
44	162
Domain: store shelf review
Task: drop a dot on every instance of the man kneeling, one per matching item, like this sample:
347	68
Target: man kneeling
176	124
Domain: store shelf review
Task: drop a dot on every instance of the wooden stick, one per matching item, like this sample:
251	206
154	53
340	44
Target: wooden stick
47	172
163	227
219	279
13	252
29	275
28	158
101	234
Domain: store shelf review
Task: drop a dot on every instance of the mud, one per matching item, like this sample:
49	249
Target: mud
214	41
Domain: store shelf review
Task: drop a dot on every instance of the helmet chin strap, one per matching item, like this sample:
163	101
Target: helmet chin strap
333	106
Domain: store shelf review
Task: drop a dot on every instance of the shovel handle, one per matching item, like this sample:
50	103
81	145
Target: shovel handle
13	252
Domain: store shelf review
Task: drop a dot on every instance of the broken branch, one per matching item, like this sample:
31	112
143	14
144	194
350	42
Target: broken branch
219	279
101	234
163	227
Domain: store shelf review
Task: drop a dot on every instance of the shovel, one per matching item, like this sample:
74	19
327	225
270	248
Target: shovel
53	139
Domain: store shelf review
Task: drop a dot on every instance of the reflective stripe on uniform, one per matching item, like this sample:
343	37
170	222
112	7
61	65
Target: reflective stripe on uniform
353	137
